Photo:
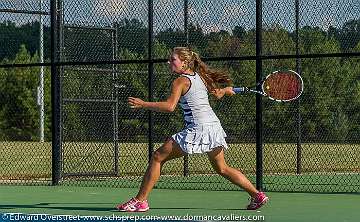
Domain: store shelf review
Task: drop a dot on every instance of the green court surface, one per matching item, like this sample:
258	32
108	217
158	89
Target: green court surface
187	204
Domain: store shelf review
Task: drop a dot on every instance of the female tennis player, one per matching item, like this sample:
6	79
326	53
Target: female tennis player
203	132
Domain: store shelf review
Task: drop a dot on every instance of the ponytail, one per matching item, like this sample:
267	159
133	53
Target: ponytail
213	79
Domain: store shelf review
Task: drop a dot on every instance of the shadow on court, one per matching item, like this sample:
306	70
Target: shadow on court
44	206
100	201
62	206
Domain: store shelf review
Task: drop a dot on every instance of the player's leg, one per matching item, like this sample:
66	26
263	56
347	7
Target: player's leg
218	163
168	151
217	160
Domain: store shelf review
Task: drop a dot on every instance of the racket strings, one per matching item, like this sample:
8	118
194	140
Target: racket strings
282	86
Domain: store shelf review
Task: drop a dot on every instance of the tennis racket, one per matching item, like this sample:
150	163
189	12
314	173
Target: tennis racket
280	86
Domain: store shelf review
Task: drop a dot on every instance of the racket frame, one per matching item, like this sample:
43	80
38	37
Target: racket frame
282	100
262	92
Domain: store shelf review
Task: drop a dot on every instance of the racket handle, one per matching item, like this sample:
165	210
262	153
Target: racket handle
239	90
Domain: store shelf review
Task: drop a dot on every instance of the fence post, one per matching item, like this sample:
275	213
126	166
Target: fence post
150	74
259	125
115	94
298	70
55	93
186	32
41	75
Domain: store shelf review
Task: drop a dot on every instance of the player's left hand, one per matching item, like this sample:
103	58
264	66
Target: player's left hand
135	103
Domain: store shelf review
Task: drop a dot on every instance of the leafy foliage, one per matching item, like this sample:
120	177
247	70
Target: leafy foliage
328	108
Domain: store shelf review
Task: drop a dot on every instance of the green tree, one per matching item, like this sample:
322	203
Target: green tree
351	69
349	35
239	32
171	37
132	35
19	112
12	36
325	97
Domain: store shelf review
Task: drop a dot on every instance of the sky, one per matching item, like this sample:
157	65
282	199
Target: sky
211	15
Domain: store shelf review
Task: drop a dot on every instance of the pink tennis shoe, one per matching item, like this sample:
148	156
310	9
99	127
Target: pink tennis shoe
134	205
258	201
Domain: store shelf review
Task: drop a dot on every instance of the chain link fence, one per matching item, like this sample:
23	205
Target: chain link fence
104	51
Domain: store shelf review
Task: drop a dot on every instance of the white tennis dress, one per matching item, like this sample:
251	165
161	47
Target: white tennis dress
203	131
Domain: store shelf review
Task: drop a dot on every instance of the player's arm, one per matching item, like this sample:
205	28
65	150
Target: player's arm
219	93
179	86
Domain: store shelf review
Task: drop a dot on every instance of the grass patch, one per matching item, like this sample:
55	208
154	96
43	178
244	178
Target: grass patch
32	161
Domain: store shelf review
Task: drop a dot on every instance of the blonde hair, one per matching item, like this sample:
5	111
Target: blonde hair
213	78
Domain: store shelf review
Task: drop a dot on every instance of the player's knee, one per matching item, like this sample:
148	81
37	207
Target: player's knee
222	170
158	156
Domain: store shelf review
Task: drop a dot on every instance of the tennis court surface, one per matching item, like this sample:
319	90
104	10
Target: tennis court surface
47	203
